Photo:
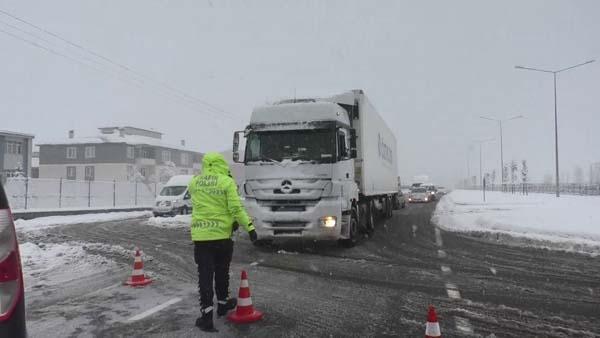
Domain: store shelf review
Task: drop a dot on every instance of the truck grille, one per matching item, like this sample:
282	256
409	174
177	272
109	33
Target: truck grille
293	191
288	208
287	205
288	224
287	232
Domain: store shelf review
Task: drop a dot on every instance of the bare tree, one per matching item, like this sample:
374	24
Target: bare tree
505	173
578	175
513	175
524	173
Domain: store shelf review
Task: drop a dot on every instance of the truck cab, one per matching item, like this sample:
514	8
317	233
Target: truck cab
299	170
318	168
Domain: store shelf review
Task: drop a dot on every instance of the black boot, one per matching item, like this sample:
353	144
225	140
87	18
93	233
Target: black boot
225	306
205	322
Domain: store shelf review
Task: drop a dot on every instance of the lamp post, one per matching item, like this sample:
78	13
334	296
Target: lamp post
481	142
499	121
554	72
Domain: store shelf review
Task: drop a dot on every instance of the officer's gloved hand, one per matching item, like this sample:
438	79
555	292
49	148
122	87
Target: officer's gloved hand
253	236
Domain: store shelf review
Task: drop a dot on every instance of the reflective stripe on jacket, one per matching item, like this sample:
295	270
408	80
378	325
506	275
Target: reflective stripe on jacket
216	204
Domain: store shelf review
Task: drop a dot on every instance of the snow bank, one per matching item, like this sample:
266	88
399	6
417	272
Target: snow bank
53	264
49	264
178	221
569	223
53	221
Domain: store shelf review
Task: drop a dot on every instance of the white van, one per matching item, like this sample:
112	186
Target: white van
174	198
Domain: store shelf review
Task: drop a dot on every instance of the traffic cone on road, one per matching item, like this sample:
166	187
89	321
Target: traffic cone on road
137	276
432	328
244	312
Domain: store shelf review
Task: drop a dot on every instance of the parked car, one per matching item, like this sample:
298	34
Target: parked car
419	195
12	295
174	198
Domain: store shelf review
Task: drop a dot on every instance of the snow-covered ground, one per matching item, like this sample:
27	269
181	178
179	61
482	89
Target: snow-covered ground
569	223
56	263
178	221
52	221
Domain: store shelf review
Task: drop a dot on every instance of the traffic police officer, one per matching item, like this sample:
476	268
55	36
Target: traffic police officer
216	206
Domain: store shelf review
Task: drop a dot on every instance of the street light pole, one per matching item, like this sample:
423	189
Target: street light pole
501	141
556	140
480	171
501	158
554	72
469	167
481	142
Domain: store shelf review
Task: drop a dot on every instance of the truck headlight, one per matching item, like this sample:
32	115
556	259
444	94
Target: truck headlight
328	221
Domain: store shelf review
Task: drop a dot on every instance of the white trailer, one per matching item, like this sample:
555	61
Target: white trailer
376	162
321	168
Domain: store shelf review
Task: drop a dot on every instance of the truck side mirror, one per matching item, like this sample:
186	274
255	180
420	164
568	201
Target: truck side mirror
353	153
236	146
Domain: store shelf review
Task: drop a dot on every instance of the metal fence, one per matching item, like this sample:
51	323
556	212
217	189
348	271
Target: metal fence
42	193
524	188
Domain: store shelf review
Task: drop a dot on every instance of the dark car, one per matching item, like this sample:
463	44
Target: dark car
12	296
431	191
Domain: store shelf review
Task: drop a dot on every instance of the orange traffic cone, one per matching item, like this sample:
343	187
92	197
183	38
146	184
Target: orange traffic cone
432	328
244	312
137	276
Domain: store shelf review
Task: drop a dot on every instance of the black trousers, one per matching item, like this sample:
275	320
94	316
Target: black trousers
213	259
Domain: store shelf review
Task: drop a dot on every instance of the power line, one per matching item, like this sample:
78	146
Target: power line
50	43
99	70
181	94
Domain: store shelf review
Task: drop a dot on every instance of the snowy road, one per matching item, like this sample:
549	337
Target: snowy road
381	287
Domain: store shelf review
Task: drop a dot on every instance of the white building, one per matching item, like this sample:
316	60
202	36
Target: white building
117	153
15	154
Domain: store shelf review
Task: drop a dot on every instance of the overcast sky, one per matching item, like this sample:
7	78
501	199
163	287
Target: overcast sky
430	68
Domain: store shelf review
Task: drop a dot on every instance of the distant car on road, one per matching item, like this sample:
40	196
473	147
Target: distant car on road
418	195
12	295
442	191
432	191
174	198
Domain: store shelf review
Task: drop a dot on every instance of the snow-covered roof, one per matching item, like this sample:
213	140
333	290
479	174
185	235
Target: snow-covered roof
180	180
14	133
298	113
116	138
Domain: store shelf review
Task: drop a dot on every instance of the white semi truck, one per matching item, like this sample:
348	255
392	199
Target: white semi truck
320	169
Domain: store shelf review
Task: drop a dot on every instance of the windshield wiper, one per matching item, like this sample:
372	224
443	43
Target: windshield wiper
264	158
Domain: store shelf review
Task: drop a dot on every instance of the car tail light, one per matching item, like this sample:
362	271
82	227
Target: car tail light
11	279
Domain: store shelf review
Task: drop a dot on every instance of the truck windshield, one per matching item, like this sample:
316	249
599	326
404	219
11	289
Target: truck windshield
172	191
307	145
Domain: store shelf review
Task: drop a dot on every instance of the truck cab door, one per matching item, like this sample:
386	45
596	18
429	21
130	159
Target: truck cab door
345	166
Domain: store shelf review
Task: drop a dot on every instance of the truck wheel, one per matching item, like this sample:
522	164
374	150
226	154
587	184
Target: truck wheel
390	207
396	202
371	218
353	236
